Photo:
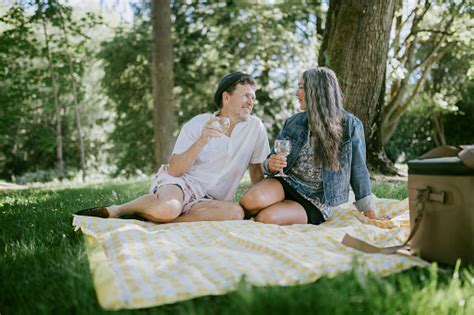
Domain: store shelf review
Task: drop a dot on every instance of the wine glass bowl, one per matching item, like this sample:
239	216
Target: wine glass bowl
282	148
224	124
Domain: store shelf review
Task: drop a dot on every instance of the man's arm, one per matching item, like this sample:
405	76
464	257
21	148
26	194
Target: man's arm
256	173
181	163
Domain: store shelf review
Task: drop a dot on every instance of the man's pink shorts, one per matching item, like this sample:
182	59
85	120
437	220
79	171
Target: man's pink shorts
191	196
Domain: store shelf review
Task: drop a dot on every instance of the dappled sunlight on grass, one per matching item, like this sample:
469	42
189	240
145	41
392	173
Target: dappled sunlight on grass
44	267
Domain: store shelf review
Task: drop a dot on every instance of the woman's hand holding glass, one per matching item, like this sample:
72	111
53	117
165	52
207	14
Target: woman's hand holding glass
277	162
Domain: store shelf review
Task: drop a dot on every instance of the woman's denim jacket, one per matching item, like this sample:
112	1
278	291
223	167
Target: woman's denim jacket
353	169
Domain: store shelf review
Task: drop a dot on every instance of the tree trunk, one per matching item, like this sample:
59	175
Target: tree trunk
163	81
76	103
355	46
57	106
376	157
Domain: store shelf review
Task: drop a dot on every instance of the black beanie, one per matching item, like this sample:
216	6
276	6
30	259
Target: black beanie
224	83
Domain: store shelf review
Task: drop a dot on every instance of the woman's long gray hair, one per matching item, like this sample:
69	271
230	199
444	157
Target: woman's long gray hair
323	98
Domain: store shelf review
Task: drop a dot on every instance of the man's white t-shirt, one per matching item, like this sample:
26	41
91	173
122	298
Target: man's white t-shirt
222	163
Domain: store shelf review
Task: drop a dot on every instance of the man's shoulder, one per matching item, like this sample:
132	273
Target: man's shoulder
254	120
203	116
200	119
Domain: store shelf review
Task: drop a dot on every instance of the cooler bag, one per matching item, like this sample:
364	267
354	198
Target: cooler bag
441	202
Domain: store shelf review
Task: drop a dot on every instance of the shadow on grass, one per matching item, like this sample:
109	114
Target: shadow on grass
44	268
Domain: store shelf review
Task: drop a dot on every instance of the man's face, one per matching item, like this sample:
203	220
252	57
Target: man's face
239	104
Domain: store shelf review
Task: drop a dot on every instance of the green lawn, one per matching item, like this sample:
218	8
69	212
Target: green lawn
44	268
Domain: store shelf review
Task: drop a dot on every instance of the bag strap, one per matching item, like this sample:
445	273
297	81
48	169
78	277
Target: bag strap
422	196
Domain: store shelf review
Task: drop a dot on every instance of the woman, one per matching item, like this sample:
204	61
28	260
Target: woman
327	154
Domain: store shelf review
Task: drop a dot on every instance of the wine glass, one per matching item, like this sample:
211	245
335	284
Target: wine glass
282	147
224	124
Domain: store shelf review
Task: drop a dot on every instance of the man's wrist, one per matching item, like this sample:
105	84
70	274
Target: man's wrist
202	141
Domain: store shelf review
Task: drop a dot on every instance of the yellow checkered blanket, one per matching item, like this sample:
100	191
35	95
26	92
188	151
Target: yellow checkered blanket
137	264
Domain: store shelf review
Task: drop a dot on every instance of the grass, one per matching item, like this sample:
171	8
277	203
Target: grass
44	268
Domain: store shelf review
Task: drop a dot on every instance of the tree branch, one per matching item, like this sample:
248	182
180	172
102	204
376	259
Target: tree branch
434	31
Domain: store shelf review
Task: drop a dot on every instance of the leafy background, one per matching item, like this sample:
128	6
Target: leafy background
274	41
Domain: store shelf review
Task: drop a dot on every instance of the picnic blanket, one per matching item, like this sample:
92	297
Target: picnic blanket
137	264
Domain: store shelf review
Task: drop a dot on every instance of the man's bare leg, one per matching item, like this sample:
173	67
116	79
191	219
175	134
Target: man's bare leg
163	206
212	210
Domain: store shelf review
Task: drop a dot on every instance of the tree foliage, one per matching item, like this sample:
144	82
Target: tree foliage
429	74
425	32
127	83
420	132
271	42
28	128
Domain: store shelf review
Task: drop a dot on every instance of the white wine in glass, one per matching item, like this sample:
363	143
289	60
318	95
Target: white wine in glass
282	147
224	124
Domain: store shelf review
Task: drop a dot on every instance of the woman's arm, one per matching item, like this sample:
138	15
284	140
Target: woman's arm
274	163
360	179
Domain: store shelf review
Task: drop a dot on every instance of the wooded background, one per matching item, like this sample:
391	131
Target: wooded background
82	94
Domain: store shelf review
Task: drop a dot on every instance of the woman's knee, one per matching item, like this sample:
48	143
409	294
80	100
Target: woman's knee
259	197
284	213
251	199
267	217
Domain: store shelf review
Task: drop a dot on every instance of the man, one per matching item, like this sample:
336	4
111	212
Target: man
207	162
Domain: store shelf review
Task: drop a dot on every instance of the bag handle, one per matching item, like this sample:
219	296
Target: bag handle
423	195
465	153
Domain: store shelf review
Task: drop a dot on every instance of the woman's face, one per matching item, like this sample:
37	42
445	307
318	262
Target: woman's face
300	94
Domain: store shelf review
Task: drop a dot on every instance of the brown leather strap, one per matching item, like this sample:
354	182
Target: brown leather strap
423	195
365	247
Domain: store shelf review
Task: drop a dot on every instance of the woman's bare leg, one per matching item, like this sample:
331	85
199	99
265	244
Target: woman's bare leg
285	212
262	195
